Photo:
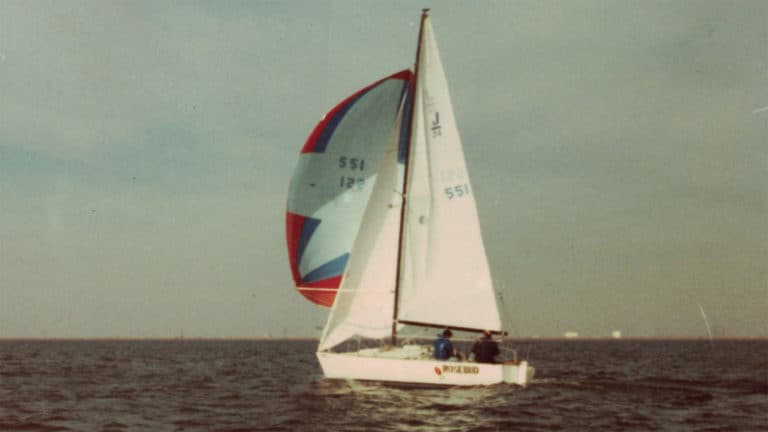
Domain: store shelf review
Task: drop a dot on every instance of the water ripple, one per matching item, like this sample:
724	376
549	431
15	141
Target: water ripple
277	385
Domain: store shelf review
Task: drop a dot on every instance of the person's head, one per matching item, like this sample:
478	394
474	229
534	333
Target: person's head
447	333
487	334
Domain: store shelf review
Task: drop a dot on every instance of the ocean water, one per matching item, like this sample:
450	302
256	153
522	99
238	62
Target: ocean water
242	385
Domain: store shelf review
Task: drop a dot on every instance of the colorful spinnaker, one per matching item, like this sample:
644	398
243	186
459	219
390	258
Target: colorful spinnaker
333	181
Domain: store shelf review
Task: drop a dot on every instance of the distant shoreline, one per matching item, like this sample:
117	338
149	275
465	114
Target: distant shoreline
180	339
315	339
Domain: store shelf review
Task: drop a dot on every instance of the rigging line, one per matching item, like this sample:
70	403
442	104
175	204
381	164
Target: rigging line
706	322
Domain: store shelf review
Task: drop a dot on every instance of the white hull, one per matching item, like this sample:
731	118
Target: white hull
413	365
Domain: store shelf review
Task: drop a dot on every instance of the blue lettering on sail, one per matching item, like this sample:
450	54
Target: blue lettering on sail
436	126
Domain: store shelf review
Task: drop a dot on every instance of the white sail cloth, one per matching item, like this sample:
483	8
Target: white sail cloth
365	301
445	278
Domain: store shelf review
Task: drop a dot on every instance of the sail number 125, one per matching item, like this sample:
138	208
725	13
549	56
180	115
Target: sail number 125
457	191
351	181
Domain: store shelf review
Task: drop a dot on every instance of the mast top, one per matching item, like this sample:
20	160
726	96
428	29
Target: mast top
425	11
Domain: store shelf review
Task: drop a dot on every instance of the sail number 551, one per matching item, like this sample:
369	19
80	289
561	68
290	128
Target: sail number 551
352	164
457	191
351	181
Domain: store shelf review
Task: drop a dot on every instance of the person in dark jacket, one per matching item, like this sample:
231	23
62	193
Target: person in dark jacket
443	348
485	349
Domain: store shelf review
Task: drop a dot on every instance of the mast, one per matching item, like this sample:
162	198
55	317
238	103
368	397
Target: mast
424	16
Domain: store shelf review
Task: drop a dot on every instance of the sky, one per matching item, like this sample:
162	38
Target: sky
618	153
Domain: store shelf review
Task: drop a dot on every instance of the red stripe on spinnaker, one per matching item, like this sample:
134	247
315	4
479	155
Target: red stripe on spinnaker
309	146
293	225
321	297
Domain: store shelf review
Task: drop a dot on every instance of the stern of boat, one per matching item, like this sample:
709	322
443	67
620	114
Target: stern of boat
519	373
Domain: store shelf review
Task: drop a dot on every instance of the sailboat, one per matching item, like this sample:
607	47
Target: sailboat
382	227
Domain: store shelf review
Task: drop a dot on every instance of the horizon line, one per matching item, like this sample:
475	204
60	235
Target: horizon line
313	338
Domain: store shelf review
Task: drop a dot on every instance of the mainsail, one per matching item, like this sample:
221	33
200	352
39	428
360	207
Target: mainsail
445	276
333	181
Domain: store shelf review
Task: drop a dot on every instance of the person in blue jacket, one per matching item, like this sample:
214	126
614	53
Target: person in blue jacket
443	348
